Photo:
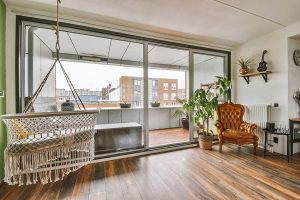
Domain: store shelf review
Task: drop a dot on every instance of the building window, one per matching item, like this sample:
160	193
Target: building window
137	82
173	86
166	96
173	96
166	86
154	83
154	94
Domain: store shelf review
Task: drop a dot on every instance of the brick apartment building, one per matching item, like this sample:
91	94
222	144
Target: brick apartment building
130	89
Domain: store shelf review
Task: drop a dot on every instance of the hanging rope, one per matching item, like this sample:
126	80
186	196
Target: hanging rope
44	147
71	86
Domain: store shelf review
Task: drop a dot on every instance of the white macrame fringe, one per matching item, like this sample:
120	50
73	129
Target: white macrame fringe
47	165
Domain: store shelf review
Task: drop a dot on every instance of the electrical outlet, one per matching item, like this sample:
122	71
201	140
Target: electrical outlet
275	139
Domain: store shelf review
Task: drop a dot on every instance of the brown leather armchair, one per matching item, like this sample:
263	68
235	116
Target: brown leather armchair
232	128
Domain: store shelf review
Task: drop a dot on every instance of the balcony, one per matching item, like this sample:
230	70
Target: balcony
163	128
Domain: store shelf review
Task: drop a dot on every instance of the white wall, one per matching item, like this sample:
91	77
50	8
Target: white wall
281	82
294	78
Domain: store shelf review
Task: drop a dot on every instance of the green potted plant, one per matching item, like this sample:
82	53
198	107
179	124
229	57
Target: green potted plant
244	64
223	85
125	105
182	113
202	106
155	104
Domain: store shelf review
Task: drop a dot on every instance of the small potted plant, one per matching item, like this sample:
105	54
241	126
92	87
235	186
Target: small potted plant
155	104
202	106
244	64
125	105
182	114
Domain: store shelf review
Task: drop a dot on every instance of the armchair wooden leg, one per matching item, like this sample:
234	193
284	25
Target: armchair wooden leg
220	145
255	144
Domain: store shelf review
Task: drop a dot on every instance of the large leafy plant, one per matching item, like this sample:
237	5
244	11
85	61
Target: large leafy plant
202	106
181	112
224	87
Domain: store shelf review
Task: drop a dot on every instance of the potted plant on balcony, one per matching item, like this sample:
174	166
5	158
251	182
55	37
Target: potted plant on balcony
223	85
202	106
125	105
244	64
182	113
155	104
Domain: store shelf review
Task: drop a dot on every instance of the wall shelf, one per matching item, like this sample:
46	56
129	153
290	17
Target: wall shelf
263	74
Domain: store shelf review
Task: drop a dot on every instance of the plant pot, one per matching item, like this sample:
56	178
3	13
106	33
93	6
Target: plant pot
67	106
244	71
155	104
185	123
125	105
205	142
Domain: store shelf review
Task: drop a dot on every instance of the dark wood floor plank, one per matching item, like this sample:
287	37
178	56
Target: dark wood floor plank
98	179
113	187
67	186
82	184
128	184
186	174
235	164
148	187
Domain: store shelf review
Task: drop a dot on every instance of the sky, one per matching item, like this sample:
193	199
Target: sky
96	76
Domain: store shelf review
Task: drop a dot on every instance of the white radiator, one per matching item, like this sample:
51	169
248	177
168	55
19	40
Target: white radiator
259	115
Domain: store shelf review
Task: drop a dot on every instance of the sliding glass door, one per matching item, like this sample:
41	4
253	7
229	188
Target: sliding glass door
206	68
137	83
168	79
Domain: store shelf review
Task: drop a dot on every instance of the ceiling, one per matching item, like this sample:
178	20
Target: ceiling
224	22
79	44
86	45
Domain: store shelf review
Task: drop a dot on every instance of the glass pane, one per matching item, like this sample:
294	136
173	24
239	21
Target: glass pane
206	68
168	80
107	74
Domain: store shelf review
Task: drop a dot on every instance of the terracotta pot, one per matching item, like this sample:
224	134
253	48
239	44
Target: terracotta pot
244	70
185	123
205	142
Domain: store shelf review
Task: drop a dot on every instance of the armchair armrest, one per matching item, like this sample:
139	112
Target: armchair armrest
219	126
248	127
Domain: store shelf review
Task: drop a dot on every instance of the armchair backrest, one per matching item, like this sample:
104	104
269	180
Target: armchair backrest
230	115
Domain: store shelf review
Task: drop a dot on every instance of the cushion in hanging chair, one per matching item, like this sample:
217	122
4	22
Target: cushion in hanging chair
31	144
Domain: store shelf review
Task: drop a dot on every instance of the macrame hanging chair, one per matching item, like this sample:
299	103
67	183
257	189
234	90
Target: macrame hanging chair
44	147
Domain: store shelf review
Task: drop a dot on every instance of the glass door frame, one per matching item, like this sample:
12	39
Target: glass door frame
226	69
146	97
23	21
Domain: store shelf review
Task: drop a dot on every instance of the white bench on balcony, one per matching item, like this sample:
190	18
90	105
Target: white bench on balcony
118	136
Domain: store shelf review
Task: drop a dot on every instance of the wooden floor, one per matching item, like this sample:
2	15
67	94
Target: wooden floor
185	174
168	136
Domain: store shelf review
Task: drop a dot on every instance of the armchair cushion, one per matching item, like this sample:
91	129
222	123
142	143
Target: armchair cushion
236	134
